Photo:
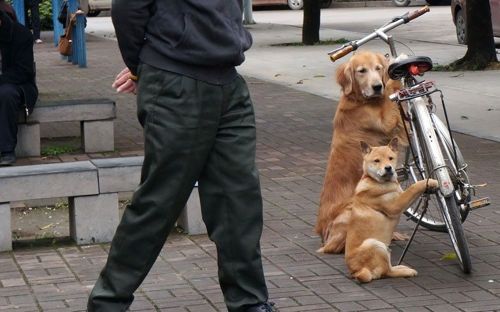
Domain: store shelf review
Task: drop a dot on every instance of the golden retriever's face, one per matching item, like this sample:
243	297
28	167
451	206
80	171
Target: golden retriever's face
365	74
380	162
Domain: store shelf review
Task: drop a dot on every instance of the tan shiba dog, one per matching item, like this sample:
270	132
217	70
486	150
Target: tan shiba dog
364	113
376	206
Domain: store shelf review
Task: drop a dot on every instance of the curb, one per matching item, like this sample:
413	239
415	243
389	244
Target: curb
361	4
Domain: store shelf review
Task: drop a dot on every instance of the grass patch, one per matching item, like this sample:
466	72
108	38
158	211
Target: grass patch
449	256
321	42
452	67
57	150
43	242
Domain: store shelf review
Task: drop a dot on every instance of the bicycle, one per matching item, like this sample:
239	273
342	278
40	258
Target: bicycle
432	152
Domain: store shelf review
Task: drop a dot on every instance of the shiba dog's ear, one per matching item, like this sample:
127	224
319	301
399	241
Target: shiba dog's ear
344	78
394	145
365	148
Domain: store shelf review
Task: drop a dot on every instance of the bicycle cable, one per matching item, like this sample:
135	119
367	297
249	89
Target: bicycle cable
409	49
449	130
403	117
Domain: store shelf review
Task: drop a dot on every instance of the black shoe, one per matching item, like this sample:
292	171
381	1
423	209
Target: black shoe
264	307
7	159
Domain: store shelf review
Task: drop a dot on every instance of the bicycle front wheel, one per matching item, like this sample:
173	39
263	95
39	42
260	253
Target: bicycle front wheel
443	213
453	223
417	169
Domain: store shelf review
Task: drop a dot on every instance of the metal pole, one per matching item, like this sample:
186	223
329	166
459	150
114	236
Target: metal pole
72	7
18	6
80	39
58	27
247	12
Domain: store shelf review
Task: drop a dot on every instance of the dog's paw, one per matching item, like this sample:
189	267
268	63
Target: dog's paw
401	271
396	236
321	250
412	272
432	184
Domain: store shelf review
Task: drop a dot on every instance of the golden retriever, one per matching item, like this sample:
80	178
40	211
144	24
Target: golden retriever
364	113
376	206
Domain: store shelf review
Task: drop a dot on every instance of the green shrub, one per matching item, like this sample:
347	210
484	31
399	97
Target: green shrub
45	14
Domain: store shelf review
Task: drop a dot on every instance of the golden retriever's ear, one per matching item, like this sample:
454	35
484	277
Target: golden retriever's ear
365	148
394	145
385	62
344	78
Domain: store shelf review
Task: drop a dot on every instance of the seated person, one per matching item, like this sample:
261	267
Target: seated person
18	90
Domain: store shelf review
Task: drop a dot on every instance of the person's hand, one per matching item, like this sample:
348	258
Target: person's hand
123	82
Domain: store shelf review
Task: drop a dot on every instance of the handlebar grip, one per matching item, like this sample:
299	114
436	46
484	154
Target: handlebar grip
413	15
341	53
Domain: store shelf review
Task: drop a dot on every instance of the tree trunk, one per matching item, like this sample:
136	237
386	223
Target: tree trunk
312	18
480	43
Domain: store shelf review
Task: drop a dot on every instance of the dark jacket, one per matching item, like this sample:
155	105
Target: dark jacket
16	46
203	39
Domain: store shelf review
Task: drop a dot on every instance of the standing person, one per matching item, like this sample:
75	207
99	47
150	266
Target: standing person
199	125
17	80
34	8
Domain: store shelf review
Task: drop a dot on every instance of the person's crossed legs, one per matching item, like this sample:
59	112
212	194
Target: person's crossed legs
10	104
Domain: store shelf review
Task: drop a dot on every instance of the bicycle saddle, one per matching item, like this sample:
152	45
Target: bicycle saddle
413	65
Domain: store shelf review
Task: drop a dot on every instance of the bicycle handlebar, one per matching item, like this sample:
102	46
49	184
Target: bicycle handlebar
380	32
413	15
341	53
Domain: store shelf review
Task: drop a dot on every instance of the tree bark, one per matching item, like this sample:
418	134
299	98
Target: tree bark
311	23
480	43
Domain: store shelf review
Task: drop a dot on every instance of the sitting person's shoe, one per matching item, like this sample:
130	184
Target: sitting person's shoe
7	158
263	307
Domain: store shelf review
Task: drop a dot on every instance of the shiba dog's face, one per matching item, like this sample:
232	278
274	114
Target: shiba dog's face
380	162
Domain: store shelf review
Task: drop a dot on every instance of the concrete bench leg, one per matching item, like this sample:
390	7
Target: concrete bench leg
98	136
93	219
190	219
28	140
5	229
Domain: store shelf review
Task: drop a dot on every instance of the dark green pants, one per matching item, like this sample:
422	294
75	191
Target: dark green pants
193	131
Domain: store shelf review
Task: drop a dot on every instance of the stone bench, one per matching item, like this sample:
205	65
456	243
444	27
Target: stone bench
76	179
96	124
124	174
92	189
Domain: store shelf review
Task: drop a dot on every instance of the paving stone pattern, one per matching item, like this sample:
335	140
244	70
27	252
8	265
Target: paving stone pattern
294	132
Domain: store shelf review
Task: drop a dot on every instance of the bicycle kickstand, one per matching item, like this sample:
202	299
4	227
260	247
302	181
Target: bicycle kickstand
424	210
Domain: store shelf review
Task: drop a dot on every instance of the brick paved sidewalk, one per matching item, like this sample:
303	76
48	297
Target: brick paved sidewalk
294	131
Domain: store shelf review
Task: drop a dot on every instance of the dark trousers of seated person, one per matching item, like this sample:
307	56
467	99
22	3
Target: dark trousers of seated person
34	21
10	105
194	131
